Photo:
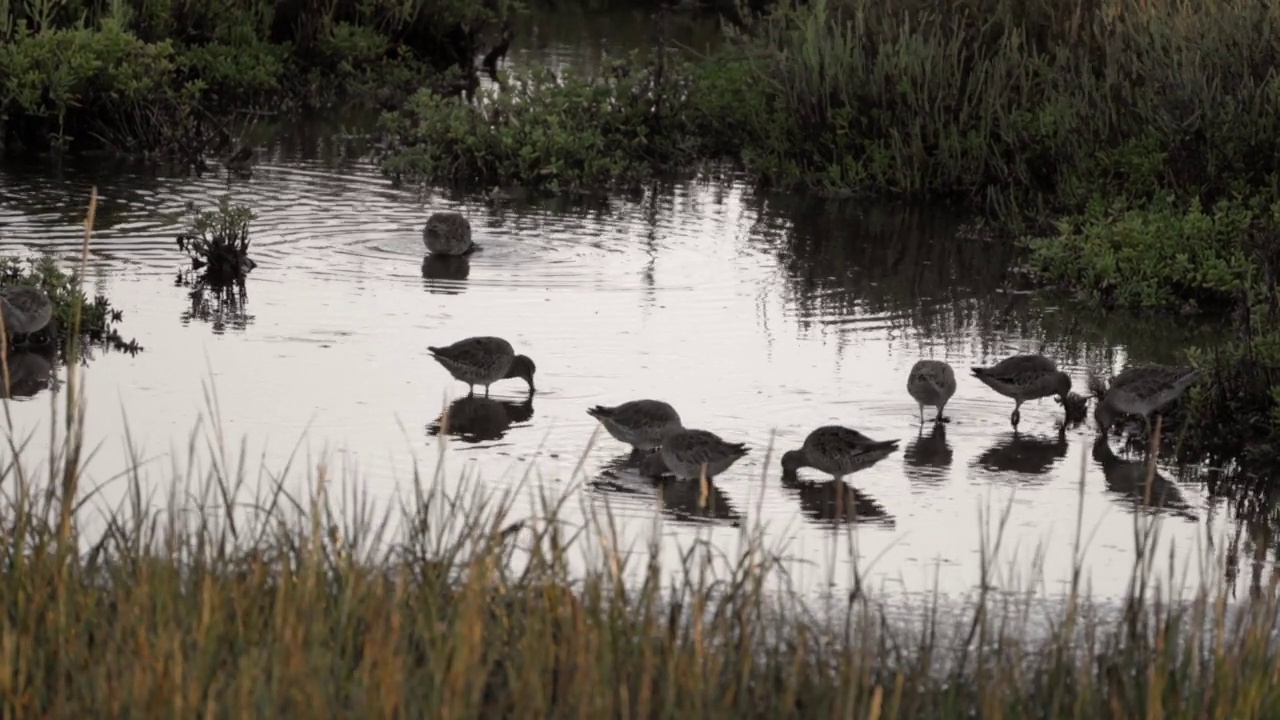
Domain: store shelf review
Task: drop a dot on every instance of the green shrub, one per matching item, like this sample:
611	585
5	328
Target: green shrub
554	132
227	76
1159	257
147	77
217	241
70	83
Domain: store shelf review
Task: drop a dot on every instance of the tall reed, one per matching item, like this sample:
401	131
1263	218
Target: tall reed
1025	107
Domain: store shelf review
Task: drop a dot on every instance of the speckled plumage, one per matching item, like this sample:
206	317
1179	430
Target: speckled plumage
932	383
448	233
1142	390
483	361
1023	378
26	309
686	451
639	423
837	451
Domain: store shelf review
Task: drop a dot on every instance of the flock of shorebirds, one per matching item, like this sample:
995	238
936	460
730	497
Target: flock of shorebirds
663	445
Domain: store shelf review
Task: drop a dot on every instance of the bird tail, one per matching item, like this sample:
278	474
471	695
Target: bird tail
885	445
740	448
600	412
978	371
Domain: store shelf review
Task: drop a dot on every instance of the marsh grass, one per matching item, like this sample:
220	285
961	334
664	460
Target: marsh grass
227	595
1025	108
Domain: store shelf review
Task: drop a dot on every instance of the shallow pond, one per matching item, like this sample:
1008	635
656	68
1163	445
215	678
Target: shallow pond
759	317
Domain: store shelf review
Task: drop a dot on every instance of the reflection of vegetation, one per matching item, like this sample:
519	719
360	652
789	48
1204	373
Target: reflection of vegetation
223	306
907	266
1233	412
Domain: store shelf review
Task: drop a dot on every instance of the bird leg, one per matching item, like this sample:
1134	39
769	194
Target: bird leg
921	414
1016	416
703	490
941	418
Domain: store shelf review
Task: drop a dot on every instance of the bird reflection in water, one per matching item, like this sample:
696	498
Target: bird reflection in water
1127	481
680	500
474	418
928	456
835	502
1025	454
445	273
29	372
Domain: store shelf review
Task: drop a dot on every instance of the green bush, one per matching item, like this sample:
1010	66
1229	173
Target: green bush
555	132
226	75
165	76
71	83
1158	257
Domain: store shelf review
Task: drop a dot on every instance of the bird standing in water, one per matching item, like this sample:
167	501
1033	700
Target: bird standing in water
25	309
932	383
1023	378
